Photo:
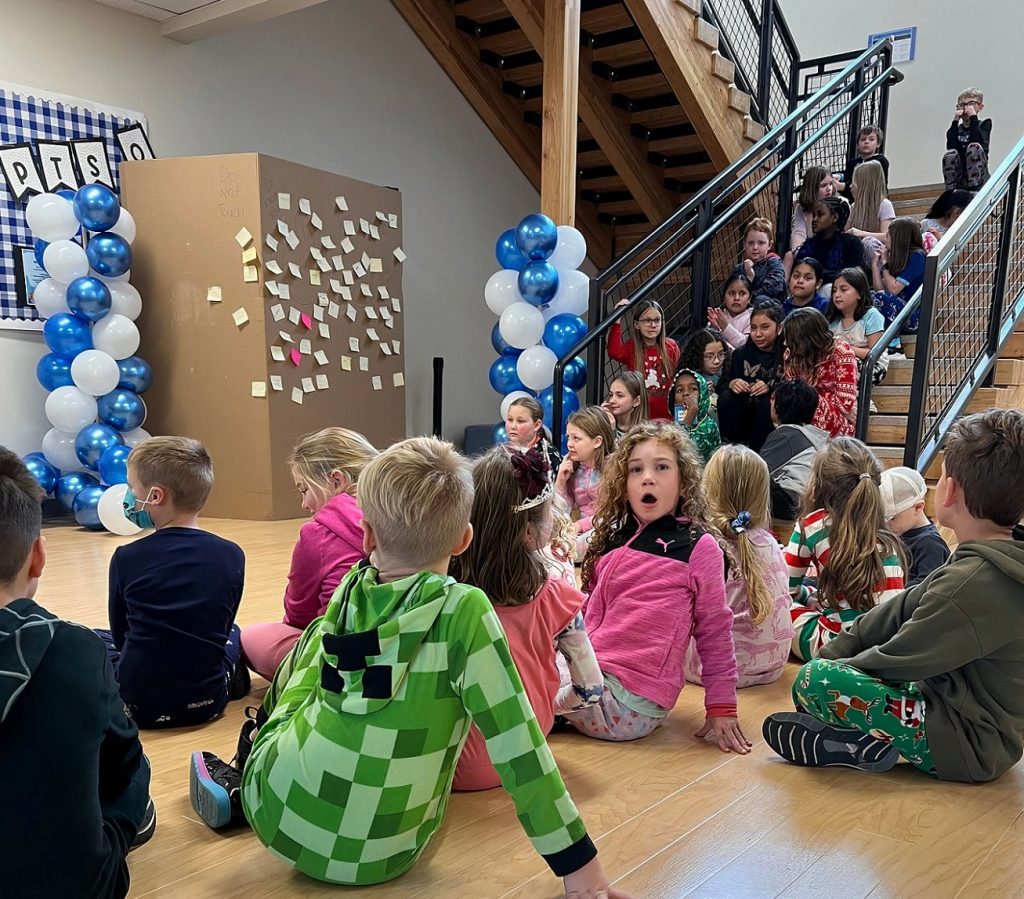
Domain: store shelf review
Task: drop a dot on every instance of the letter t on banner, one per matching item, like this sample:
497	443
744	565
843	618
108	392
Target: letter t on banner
58	166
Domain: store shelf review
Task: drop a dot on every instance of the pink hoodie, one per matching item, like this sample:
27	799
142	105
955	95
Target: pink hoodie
329	545
660	584
582	491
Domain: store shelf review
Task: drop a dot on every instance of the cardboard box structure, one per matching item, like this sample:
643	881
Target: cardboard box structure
234	344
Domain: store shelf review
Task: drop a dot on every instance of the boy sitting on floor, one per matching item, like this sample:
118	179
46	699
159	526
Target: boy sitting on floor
936	674
903	495
349	775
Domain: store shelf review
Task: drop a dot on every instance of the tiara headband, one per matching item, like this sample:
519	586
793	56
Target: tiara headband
533	475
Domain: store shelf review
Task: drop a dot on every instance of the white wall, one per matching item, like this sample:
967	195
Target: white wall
959	45
345	86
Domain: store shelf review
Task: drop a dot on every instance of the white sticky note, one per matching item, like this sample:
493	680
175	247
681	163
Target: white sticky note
396	304
327	242
350	228
282	228
374	232
285	336
325	330
296	395
385	313
272	243
347	245
399	254
321	357
364	289
382	291
375	380
396	345
318	313
294	315
314	277
322	383
380	216
240	316
284	291
276	353
372	334
353	344
390	323
364	363
365	259
293	267
358	270
371	312
305	346
292	239
335	285
274	267
364	226
284	201
338	262
304	206
273	288
244	238
386	348
348	277
316	221
323	264
398	379
322	299
346	293
213	294
341	203
276	383
393	220
307	385
376	265
259	388
249	255
277	311
346	363
314	251
350	313
250	274
333	309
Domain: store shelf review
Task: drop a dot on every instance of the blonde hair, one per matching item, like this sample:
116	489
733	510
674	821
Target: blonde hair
638	342
970	93
316	455
763	225
868	188
180	465
633	381
417	496
736	480
613	511
593	422
845	480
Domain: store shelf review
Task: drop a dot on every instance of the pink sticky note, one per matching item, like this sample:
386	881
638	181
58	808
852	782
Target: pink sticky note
296	357
307	321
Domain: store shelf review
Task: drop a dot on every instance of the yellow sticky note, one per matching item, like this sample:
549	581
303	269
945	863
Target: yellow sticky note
346	363
259	388
240	316
375	264
314	277
398	379
244	238
213	294
249	255
250	274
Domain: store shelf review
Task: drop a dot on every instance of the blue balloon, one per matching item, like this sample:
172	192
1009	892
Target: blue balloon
43	472
136	374
574	374
499	344
499	434
40	248
122	409
96	207
113	464
508	252
36	455
537	237
88	298
85	507
562	332
67	335
109	255
503	375
67	193
570	403
53	371
538	283
69	486
91	442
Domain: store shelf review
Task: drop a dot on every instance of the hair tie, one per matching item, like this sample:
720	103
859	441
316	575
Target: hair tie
532	472
740	523
864	474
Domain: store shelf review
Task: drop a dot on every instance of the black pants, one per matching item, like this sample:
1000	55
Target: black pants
744	419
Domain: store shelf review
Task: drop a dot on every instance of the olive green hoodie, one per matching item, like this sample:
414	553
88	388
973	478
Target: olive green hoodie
960	635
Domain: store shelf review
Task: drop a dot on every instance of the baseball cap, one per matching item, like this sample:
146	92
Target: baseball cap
901	488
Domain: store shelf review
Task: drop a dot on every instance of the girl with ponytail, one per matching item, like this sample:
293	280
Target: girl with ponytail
736	484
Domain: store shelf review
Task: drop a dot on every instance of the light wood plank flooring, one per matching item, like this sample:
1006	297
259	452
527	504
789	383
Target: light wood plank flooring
672	816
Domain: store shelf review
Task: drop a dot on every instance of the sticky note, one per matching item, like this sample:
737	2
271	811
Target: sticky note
374	232
307	385
338	262
327	241
396	345
333	309
364	226
399	255
259	388
249	255
323	264
250	274
393	220
272	288
284	201
386	348
282	228
321	357
318	313
364	363
396	304
314	251
346	293
284	291
273	266
325	330
375	380
371	312
376	265
365	259
293	267
350	228
213	294
240	316
385	313
276	383
380	216
296	358
347	245
348	277
322	299
322	383
304	206
307	321
341	203
277	353
292	239
244	238
398	379
353	344
335	285
316	221
294	315
296	395
382	291
285	336
272	243
372	334
305	346
358	270
390	323
364	289
346	363
314	277
350	313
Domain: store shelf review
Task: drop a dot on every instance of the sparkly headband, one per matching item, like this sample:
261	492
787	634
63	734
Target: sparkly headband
533	475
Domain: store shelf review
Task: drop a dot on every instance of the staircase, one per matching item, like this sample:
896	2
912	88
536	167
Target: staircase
915	201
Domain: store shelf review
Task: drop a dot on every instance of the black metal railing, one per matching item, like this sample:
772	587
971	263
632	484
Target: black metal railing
971	301
683	260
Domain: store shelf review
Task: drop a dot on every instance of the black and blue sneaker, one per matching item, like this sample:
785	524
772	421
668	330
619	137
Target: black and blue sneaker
215	788
805	740
147	828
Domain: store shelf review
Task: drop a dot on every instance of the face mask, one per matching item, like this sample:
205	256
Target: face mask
139	517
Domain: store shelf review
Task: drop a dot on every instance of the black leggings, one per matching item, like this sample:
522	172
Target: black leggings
744	419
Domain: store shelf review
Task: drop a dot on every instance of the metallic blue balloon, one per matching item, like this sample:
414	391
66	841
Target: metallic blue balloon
562	332
570	404
503	375
122	409
537	236
136	374
113	465
67	334
85	508
499	434
499	344
43	472
91	442
96	207
574	375
40	248
69	485
109	255
538	283
508	253
53	371
88	298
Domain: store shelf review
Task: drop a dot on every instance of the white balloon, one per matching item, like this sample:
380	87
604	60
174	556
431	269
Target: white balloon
111	512
134	438
112	279
570	251
125	300
536	367
509	399
59	449
65	260
51	217
95	372
502	290
124	226
116	335
573	294
50	298
521	325
70	409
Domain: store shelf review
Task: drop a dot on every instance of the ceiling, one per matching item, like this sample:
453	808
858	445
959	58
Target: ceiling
160	10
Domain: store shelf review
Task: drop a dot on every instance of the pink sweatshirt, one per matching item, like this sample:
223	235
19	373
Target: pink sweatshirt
737	330
328	547
582	491
660	584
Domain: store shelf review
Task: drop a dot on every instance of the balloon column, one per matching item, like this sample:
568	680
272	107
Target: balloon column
539	297
93	375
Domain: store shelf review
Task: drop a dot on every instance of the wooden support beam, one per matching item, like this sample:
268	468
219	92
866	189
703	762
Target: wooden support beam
558	130
226	15
609	126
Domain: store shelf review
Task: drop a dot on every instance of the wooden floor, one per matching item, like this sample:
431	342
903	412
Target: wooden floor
671	816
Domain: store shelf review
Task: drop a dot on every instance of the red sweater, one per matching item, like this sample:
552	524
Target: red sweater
836	380
657	397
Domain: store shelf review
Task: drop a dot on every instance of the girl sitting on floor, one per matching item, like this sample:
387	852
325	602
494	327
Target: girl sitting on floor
853	317
897	271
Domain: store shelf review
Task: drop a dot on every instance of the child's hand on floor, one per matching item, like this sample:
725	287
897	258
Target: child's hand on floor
728	733
590	882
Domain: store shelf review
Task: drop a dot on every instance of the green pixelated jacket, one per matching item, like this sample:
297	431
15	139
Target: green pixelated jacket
704	431
349	777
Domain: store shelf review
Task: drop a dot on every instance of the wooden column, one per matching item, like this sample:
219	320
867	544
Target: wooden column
561	92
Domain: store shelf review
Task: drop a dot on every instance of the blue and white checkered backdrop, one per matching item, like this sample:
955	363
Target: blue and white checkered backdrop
25	118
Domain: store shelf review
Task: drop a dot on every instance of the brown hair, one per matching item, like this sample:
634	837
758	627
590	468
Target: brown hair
904	238
868	189
875	130
633	381
536	413
984	454
21	514
638	343
806	335
808	196
593	422
760	224
316	455
180	465
845	481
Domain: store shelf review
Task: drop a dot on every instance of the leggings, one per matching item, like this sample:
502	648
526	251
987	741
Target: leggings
608	719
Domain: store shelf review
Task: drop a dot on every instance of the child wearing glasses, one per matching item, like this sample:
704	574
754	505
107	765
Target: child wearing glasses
965	163
647	351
